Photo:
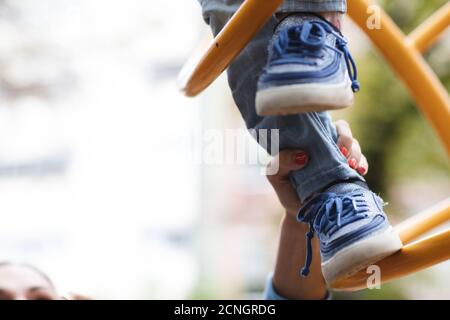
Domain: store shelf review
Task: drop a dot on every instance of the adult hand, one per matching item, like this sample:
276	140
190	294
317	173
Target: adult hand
292	160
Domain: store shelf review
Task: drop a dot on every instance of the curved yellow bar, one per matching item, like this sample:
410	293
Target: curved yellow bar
422	82
421	223
412	258
237	33
429	32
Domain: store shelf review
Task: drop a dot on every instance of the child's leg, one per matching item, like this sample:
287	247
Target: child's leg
312	132
348	219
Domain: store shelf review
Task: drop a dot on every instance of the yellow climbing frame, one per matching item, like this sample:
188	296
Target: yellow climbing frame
404	54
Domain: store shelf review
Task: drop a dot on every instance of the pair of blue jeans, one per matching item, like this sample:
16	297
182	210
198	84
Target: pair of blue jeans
314	133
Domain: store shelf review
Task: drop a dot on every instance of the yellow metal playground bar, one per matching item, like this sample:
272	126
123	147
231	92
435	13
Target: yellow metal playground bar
403	53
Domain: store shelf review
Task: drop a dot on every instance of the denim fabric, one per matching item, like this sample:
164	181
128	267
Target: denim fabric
313	6
312	132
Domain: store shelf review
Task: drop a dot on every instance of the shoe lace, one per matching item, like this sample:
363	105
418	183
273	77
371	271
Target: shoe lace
327	213
307	41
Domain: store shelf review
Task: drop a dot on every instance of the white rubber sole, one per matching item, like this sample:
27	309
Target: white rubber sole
301	98
361	255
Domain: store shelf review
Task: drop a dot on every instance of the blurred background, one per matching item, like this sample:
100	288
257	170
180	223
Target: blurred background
98	186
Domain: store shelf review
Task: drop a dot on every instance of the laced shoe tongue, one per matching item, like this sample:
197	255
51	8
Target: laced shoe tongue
304	41
312	36
309	35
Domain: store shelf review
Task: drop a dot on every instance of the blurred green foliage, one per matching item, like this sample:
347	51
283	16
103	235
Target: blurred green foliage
395	137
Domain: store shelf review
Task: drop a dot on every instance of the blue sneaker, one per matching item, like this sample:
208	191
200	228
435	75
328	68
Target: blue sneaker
353	232
310	69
